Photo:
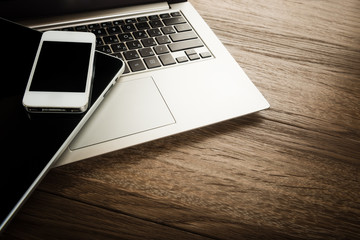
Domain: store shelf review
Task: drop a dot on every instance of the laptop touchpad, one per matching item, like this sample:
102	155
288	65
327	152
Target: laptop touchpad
131	107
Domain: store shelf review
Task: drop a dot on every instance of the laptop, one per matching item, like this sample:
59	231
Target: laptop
178	75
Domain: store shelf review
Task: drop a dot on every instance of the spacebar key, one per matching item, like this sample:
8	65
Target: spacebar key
179	46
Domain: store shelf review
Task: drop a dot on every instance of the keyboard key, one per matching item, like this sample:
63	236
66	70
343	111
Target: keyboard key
119	47
148	42
183	36
119	22
133	44
205	54
154	17
163	39
129	55
168	30
167	59
106	24
99	32
82	28
128	27
190	52
175	14
110	39
126	70
146	52
118	55
152	62
161	49
184	45
156	24
130	20
68	29
165	15
183	27
114	30
124	37
193	57
99	41
140	34
105	49
142	19
173	21
182	59
136	65
142	26
154	32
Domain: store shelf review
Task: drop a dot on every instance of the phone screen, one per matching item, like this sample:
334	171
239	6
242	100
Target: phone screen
62	67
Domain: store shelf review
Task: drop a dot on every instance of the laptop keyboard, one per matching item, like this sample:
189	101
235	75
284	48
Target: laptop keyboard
148	42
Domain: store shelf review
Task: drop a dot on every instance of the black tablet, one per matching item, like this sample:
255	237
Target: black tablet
31	143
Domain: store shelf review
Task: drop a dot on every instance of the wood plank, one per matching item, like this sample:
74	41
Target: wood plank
47	216
155	209
300	58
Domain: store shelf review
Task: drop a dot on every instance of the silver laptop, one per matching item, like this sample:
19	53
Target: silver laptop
178	75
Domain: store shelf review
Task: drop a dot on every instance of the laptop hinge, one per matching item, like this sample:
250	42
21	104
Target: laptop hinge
103	15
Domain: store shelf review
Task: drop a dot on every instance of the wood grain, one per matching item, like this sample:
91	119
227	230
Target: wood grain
75	220
290	172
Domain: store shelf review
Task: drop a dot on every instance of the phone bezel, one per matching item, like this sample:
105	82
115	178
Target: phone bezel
67	102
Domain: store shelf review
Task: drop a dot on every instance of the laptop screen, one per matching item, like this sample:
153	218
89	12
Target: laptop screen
23	9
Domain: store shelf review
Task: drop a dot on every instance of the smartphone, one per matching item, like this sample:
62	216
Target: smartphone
61	76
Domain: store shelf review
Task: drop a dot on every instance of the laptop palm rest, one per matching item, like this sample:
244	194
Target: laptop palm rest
130	107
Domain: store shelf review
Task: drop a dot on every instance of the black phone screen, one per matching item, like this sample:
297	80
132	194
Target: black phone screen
62	67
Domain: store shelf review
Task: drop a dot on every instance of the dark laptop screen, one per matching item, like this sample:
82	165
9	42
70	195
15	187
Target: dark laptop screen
22	9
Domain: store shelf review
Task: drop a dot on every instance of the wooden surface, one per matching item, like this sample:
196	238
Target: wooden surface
290	172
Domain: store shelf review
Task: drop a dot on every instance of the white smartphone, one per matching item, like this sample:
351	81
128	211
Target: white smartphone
61	76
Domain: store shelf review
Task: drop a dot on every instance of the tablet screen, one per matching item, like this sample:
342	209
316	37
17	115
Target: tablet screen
30	142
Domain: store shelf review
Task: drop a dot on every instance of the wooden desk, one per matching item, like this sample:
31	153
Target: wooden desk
290	172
